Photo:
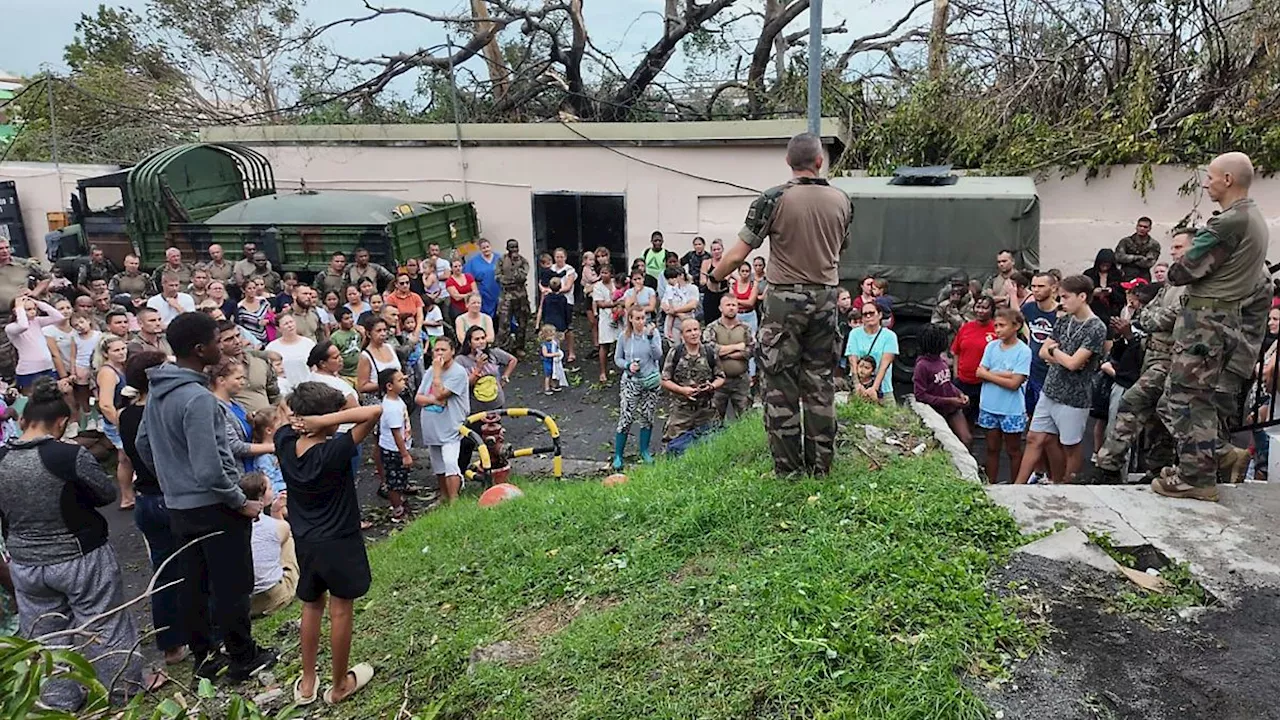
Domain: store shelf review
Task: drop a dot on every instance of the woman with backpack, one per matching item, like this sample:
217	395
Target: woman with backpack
639	356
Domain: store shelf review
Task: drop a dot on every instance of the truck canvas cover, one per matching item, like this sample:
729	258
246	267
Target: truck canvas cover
918	235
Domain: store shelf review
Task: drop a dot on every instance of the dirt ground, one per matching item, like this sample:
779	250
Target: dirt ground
1222	665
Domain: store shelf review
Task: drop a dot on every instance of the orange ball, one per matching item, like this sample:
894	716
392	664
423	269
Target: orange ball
499	493
614	479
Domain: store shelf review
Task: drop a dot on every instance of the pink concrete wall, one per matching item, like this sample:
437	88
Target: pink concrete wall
41	191
502	180
1078	215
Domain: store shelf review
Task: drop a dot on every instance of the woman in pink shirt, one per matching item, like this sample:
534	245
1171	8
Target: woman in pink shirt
26	332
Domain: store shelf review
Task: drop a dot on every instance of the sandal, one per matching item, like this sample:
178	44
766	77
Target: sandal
299	699
1169	485
362	672
398	515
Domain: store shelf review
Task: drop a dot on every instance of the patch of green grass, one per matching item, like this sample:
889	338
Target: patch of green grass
702	588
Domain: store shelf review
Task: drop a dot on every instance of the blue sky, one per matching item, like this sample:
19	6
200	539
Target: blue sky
37	30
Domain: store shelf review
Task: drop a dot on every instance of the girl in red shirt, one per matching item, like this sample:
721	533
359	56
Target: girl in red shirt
967	348
459	285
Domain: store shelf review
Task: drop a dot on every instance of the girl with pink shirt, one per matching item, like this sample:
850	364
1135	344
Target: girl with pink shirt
26	332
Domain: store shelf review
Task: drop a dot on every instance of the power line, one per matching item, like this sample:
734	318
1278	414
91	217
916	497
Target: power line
659	166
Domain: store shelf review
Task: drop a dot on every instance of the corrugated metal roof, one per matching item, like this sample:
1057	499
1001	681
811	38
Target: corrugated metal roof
968	186
549	133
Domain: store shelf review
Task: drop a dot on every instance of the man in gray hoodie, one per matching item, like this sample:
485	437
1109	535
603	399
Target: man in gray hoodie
183	439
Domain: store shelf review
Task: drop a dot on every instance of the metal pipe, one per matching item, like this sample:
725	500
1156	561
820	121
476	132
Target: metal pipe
815	67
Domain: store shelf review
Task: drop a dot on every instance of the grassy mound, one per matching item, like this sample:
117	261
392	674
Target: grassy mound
702	588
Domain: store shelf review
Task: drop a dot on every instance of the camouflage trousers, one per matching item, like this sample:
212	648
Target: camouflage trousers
735	393
513	306
1199	392
1138	413
796	352
8	358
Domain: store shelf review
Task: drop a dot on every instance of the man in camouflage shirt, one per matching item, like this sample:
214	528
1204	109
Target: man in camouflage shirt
513	301
735	344
1217	335
956	308
173	263
692	374
1137	253
131	281
807	223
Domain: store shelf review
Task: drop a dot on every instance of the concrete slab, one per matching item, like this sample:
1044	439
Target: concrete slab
963	462
1230	544
1071	544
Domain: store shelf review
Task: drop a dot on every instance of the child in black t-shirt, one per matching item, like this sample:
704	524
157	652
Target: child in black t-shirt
324	514
555	308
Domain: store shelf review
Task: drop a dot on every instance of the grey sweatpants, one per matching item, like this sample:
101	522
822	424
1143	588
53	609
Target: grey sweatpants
56	598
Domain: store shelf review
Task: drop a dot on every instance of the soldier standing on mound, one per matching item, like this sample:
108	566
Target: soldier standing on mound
1218	332
807	223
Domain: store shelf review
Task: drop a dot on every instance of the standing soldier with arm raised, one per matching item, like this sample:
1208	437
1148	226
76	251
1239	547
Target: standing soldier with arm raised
1219	330
807	223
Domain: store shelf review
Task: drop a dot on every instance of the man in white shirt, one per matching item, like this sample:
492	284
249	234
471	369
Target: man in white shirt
679	302
442	267
170	303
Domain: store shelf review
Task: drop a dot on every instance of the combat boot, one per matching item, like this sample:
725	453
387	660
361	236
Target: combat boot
1094	475
1170	485
1233	464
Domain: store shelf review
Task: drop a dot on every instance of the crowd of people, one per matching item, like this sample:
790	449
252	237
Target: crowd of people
237	399
290	378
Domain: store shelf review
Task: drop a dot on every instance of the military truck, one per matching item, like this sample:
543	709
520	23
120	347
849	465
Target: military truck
921	226
191	196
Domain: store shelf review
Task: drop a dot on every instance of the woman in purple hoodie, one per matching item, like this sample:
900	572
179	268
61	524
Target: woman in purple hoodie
932	381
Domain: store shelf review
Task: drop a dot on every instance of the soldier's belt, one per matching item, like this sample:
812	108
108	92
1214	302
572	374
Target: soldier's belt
1199	303
802	287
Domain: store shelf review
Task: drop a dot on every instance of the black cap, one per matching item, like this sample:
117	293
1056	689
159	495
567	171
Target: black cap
960	277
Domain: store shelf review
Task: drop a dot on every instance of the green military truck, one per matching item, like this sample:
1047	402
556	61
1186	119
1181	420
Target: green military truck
191	196
921	226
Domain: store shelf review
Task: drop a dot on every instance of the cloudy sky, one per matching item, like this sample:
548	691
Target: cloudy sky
37	30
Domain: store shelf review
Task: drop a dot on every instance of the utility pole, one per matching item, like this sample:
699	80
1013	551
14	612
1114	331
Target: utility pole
53	128
457	119
815	67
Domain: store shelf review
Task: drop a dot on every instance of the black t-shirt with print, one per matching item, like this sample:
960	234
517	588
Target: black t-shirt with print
1074	387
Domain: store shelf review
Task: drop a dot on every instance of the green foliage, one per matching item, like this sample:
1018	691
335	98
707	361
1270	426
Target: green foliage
947	121
26	664
703	587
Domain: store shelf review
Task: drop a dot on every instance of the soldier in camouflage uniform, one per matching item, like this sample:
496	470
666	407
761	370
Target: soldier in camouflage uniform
692	374
1138	405
16	275
807	223
955	307
513	302
1224	271
735	344
1137	253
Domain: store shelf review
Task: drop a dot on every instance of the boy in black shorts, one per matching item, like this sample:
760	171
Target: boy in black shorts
325	516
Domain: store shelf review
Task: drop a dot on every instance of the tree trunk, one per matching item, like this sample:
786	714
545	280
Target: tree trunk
765	49
492	52
938	39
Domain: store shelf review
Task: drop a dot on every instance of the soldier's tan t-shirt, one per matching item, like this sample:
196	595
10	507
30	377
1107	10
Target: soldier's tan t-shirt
806	222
